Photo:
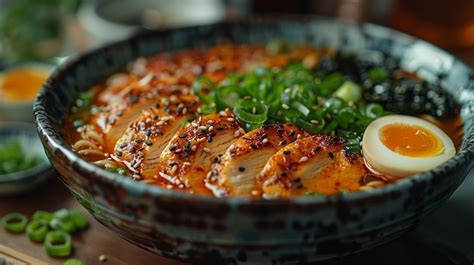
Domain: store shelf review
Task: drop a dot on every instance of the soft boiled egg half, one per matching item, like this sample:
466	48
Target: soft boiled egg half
400	146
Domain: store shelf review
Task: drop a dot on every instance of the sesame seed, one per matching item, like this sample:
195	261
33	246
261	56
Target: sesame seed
230	119
303	159
102	258
174	169
282	142
169	186
241	130
255	192
202	128
172	148
206	150
298	136
159	123
166	118
193	148
265	141
178	150
209	174
211	128
236	133
223	113
314	121
247	97
285	106
186	164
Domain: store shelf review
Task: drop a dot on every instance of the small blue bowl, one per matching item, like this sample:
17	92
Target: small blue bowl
23	181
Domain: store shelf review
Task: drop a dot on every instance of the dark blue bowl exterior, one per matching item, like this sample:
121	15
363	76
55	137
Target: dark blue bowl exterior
235	230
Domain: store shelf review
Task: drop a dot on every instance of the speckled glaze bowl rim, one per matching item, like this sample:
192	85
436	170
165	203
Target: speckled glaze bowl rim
36	171
56	141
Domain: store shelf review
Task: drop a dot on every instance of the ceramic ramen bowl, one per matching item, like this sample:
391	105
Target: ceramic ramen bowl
207	230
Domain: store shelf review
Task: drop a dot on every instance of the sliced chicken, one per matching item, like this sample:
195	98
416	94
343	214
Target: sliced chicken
187	159
309	166
115	119
241	163
145	138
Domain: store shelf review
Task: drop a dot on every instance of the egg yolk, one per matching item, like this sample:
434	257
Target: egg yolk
410	140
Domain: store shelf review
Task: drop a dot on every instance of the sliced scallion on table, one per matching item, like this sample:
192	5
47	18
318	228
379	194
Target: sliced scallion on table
58	243
14	222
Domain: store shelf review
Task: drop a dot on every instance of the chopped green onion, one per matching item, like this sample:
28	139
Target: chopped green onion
62	221
14	222
310	127
378	75
42	215
73	262
345	117
226	97
79	219
374	110
208	109
58	244
301	108
349	92
251	112
203	87
14	157
37	229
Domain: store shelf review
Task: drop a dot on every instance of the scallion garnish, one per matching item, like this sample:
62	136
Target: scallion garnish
314	101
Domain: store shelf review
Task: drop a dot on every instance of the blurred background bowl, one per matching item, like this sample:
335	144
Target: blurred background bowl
16	100
106	21
23	181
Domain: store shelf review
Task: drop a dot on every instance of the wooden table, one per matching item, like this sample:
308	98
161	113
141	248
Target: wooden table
88	245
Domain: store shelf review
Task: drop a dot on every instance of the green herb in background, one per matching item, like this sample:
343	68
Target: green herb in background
14	159
33	29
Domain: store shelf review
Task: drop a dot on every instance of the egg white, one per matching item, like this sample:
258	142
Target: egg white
385	161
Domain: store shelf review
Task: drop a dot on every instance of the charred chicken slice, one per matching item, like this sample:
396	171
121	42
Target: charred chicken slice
189	155
236	173
116	117
312	165
145	138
